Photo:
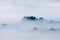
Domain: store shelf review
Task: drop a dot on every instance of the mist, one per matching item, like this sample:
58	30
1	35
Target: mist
13	27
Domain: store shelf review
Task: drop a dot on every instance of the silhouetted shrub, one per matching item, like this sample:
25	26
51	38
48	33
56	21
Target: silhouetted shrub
41	18
30	17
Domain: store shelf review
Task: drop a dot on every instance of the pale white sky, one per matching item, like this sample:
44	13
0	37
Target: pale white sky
20	8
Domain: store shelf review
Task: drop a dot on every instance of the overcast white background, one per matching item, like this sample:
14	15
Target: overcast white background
19	8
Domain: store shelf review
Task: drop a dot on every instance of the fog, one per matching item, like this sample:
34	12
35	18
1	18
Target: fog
24	30
12	27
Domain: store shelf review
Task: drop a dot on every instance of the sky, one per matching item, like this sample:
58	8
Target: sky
39	8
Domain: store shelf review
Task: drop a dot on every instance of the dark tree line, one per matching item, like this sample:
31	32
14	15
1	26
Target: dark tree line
32	18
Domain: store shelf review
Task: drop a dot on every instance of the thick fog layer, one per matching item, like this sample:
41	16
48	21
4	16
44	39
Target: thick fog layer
12	27
29	30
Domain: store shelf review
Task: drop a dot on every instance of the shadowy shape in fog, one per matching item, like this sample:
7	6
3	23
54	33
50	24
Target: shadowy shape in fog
4	24
29	18
41	18
52	29
35	28
51	21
